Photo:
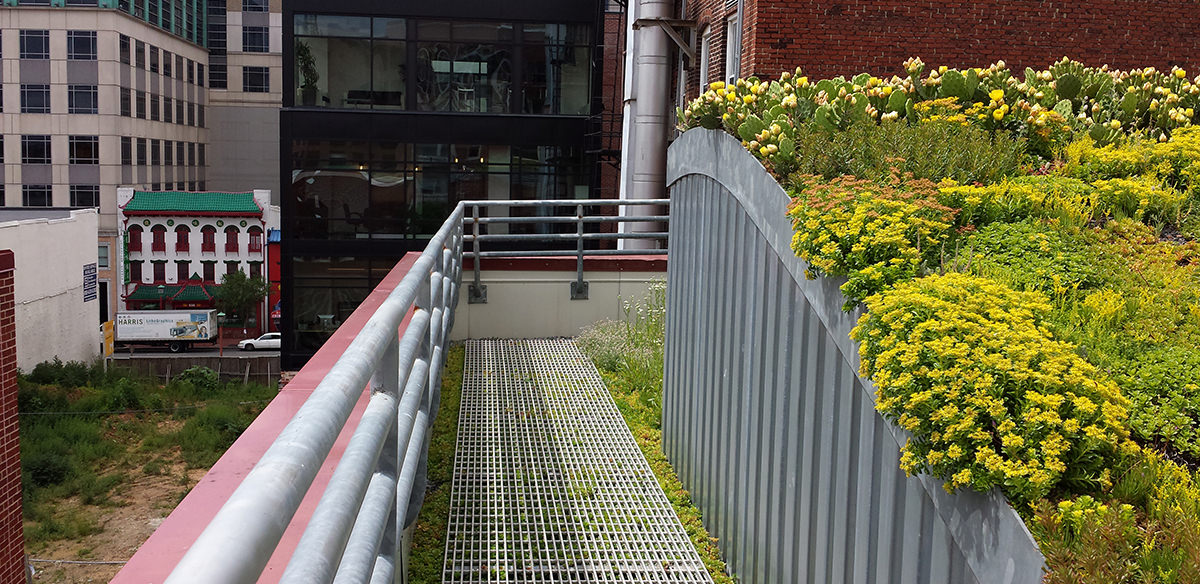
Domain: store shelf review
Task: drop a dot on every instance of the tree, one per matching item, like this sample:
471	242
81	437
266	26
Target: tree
239	294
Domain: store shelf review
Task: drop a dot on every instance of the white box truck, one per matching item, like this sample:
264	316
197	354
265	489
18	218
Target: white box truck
174	329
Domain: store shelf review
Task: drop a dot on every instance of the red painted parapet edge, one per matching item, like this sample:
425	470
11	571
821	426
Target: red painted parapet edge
12	541
159	554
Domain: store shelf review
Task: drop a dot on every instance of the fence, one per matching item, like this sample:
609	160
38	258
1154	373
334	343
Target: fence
767	422
357	530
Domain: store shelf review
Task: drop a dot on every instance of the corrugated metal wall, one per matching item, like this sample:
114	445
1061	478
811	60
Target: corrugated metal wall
769	425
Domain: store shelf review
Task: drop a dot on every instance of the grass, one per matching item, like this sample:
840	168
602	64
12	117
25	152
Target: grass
427	554
629	356
85	432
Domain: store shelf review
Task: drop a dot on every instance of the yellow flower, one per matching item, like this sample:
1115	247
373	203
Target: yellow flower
716	85
998	115
996	94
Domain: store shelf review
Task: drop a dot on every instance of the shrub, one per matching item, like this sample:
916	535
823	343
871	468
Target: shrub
991	399
633	346
1030	256
46	468
1163	385
202	380
874	235
56	372
208	434
1149	531
932	151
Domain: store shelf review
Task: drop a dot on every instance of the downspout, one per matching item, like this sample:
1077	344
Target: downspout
646	122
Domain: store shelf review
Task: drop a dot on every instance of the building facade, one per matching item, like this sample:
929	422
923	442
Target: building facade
95	98
178	246
99	94
767	37
56	289
394	113
245	90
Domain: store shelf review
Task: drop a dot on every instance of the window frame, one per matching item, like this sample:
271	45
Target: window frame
27	142
75	143
264	72
75	38
90	191
28	37
41	190
28	91
256	39
83	89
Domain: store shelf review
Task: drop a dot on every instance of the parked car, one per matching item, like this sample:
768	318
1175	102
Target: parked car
267	341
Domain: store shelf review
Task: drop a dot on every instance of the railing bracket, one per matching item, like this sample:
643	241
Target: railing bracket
477	293
579	290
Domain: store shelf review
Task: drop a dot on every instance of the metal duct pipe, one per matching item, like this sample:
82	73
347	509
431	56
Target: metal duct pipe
646	122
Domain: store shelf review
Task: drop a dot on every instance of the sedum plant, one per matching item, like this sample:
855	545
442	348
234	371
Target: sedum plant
991	399
873	235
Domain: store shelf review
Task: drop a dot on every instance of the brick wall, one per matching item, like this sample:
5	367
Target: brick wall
12	552
852	36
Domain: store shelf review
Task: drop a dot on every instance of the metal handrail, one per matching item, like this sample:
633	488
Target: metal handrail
477	292
376	490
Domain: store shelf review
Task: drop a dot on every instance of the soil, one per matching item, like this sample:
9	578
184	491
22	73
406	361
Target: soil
135	510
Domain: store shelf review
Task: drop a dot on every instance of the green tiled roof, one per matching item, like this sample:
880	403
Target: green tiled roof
151	293
185	293
182	202
195	293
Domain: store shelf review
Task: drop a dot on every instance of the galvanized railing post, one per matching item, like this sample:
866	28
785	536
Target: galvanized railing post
478	291
579	288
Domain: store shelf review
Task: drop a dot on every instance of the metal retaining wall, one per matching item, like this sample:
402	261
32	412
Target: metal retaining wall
769	425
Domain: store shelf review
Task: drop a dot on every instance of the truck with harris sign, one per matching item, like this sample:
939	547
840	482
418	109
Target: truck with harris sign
176	330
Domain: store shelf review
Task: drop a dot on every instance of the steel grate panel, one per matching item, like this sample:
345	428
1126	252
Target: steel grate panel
549	485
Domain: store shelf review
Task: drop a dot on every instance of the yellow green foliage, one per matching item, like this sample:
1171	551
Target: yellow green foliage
1148	531
1071	201
874	235
990	397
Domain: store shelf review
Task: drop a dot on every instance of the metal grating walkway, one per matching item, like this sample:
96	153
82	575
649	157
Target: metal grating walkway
549	485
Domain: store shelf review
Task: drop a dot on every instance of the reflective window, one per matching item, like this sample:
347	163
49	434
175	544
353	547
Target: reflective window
255	39
84	149
35	149
81	45
35	44
35	98
86	196
36	196
82	99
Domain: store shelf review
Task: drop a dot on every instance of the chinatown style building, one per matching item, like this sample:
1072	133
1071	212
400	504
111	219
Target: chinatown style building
179	245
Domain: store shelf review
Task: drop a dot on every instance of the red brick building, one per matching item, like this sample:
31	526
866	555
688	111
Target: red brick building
12	543
852	36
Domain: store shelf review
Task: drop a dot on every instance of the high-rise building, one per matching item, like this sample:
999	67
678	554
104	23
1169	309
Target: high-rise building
99	94
395	112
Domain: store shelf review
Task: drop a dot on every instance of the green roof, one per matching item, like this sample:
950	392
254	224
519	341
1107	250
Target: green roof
146	202
144	292
196	293
175	293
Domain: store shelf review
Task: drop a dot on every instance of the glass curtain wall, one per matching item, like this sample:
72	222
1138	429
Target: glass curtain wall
357	62
394	190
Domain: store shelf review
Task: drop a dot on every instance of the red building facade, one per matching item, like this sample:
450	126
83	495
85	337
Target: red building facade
848	37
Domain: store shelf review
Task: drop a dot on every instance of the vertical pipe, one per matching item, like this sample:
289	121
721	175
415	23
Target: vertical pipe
644	158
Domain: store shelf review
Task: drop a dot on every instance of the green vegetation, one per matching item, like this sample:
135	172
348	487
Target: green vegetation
1032	312
629	356
239	294
85	432
428	552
